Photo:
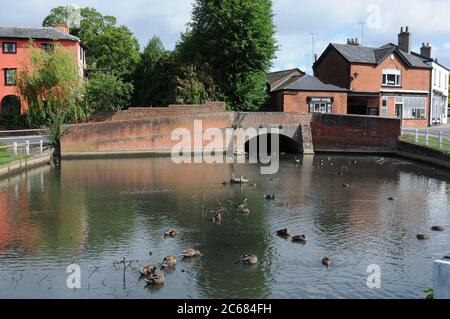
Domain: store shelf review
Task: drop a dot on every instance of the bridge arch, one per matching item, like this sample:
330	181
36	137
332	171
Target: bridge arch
286	143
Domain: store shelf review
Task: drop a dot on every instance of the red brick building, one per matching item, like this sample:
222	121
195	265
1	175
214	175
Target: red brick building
14	46
388	81
294	91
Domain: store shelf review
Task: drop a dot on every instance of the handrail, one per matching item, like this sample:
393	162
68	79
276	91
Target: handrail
443	140
27	146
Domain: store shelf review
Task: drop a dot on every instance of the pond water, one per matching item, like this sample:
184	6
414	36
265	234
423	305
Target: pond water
95	212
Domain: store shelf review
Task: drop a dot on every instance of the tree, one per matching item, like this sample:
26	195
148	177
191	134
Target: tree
155	75
68	15
109	47
51	84
106	92
190	90
237	39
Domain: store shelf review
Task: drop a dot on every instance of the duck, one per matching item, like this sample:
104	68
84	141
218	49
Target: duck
391	198
148	270
300	239
269	196
422	237
248	259
155	279
326	262
284	232
217	217
191	253
245	211
346	185
169	262
243	208
437	228
171	232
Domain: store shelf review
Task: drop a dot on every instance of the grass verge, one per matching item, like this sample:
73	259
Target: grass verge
433	142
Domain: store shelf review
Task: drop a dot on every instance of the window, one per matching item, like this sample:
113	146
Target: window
320	105
391	77
384	106
48	47
10	77
410	107
9	47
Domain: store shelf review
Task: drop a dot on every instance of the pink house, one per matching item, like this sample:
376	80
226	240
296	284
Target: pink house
14	44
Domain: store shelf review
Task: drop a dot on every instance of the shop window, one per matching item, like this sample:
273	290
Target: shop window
320	105
410	107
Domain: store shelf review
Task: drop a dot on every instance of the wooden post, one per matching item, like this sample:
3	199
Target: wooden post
41	146
427	138
417	136
15	148
27	147
440	140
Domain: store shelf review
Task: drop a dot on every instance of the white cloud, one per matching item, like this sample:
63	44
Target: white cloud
333	20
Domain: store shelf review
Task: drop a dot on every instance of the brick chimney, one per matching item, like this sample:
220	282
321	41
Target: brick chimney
405	40
61	27
425	50
352	41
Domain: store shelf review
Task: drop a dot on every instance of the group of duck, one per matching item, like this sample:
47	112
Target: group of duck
149	272
434	228
302	239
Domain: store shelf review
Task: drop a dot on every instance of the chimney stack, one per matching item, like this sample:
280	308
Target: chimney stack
425	50
61	27
353	41
405	40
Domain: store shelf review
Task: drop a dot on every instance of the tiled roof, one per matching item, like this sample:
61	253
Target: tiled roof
308	83
276	76
36	33
369	55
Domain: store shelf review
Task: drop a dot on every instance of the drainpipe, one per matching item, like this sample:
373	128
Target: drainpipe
430	98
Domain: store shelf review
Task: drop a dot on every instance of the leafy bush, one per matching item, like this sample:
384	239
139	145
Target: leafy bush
106	92
13	121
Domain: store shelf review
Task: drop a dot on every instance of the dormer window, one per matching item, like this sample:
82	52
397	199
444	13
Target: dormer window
392	77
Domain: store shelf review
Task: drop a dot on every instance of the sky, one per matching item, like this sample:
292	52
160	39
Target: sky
330	21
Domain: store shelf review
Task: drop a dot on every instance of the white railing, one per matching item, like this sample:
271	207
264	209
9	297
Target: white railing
428	138
27	148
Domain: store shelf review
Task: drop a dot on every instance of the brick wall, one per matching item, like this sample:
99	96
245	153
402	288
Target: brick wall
333	69
139	113
354	133
297	102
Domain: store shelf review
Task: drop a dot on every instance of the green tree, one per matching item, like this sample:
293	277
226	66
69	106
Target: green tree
68	15
106	92
51	83
109	47
52	86
237	39
190	89
154	75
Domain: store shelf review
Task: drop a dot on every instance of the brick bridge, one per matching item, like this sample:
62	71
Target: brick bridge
143	130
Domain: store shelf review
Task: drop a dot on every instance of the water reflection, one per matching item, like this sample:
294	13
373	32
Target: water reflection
94	212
